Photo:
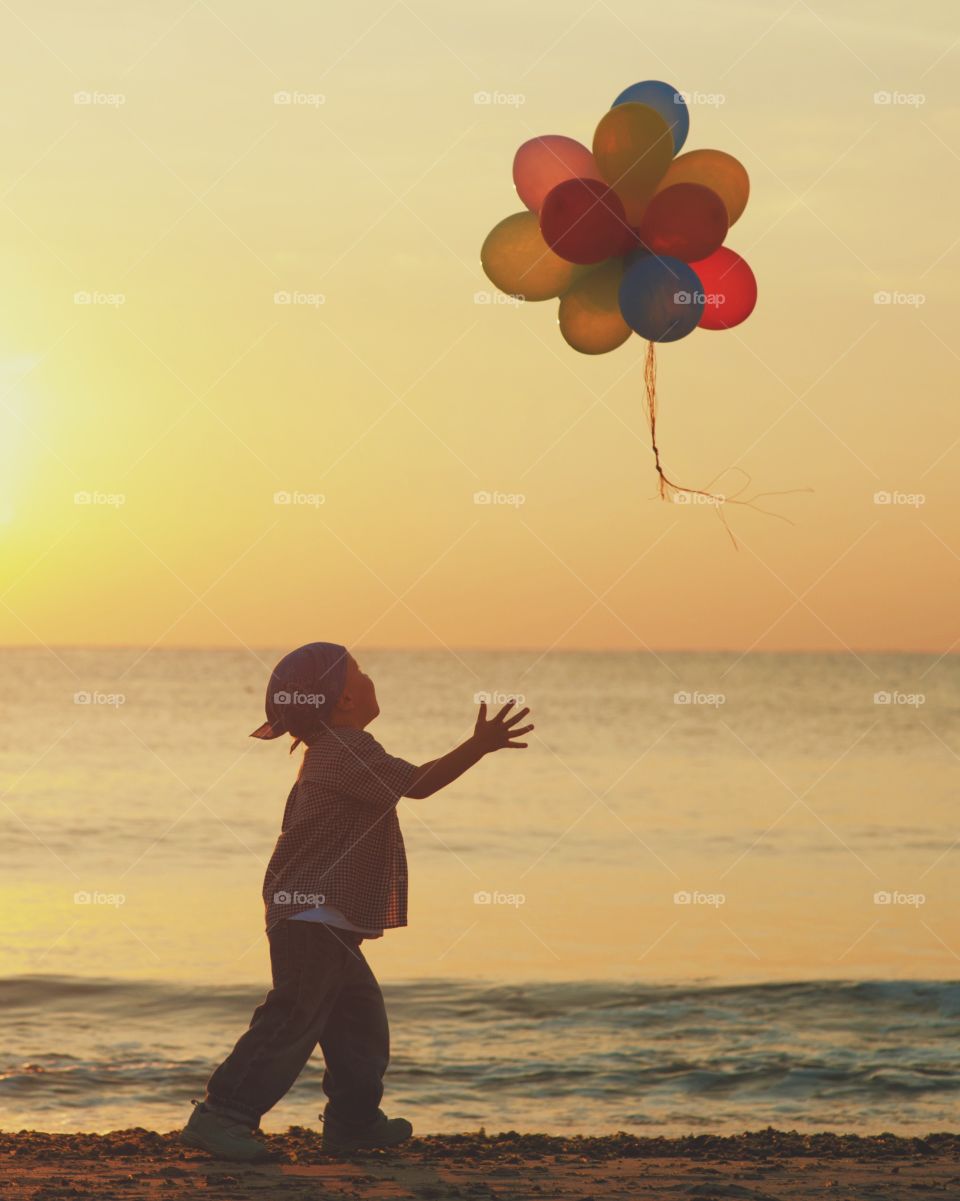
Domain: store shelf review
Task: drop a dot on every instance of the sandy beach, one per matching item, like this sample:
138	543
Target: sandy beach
755	1166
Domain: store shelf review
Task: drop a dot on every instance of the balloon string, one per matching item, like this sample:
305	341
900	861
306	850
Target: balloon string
650	389
667	486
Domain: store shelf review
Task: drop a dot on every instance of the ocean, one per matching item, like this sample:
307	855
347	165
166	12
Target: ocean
716	893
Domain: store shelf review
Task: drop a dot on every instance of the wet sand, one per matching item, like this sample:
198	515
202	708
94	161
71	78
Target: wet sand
766	1165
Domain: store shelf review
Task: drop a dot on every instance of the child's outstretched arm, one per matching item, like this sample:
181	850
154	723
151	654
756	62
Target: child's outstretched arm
492	735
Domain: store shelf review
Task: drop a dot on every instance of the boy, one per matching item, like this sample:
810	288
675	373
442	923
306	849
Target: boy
338	875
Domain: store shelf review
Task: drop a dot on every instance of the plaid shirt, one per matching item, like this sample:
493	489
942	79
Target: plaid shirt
340	842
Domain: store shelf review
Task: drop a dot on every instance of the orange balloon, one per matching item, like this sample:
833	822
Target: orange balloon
518	261
716	170
633	147
589	313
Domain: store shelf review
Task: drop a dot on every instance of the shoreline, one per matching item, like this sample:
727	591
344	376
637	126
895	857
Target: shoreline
764	1165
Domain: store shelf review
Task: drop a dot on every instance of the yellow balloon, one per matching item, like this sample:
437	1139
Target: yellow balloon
714	169
515	257
633	147
590	319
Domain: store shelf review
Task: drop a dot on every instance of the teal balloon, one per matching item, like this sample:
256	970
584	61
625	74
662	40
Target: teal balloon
661	298
665	100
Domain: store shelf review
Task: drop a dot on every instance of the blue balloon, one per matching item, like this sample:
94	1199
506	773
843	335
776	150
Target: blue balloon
666	100
661	298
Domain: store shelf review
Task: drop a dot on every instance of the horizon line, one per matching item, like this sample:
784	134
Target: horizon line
575	650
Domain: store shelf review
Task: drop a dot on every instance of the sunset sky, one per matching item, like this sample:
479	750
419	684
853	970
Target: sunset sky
182	198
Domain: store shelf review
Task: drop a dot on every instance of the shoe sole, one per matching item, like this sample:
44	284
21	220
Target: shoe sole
193	1140
335	1148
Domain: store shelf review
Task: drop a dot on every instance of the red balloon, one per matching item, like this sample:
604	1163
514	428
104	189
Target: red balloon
730	287
583	221
685	221
541	163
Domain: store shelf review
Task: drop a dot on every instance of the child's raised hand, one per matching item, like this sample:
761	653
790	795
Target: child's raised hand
495	734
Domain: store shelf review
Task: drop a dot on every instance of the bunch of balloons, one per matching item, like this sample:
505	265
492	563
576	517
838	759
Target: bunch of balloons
629	234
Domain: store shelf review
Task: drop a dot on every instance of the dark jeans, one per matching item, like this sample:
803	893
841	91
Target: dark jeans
323	992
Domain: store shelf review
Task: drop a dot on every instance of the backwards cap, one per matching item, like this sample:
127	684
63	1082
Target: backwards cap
303	690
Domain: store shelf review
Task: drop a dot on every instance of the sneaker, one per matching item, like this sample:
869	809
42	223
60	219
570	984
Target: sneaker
223	1137
382	1132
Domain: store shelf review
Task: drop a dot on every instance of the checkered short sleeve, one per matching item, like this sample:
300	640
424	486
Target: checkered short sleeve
369	775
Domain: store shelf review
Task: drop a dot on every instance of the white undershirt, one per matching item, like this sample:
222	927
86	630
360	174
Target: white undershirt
333	917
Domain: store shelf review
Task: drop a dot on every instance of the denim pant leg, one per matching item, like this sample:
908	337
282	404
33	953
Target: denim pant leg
356	1048
308	966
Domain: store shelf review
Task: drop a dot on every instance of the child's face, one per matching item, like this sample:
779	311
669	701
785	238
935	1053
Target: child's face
357	705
